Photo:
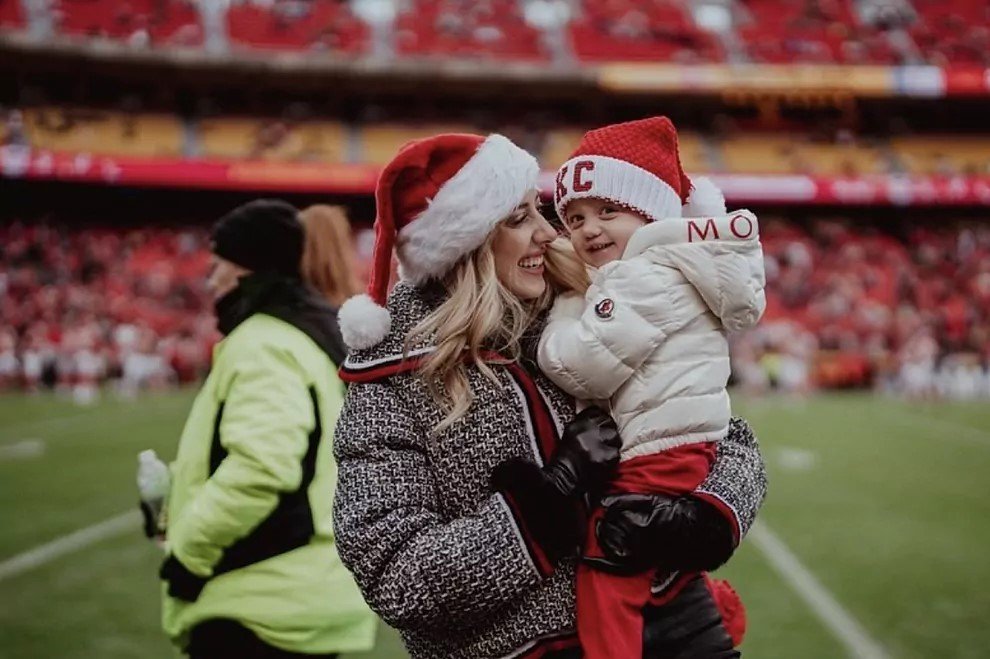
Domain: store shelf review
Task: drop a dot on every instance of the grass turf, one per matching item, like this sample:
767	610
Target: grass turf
885	502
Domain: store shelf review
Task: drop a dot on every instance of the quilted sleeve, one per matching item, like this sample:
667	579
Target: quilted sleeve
417	570
737	483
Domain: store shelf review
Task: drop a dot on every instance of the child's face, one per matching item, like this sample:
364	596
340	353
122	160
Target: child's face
599	229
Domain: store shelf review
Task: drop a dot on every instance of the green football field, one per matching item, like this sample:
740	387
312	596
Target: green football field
873	542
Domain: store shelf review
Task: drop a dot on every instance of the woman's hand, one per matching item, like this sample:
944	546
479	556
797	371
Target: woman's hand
642	531
549	499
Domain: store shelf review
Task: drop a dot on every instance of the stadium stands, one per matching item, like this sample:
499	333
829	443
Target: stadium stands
272	139
652	31
797	154
458	28
767	31
943	154
809	30
140	22
379	143
10	14
99	131
324	25
956	32
229	137
88	304
846	305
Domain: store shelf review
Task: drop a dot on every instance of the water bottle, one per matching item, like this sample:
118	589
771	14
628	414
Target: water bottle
153	483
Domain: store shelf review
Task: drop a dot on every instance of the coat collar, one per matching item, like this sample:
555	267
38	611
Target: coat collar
289	300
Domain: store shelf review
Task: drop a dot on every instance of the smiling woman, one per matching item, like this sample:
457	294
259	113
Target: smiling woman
462	468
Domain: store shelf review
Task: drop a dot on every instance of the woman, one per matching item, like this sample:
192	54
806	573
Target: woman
252	569
328	255
463	470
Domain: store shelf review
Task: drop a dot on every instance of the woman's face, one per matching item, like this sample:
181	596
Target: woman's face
223	276
519	244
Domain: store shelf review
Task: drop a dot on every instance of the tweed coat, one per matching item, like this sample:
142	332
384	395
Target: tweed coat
436	552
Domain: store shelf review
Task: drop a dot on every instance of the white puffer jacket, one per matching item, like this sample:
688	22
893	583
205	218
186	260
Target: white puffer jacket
649	335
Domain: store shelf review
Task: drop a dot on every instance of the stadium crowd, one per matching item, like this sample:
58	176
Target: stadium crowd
81	306
822	31
849	305
904	308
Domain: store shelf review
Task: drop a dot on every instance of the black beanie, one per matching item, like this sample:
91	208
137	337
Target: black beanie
264	235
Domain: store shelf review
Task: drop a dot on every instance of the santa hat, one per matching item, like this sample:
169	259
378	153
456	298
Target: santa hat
636	165
437	201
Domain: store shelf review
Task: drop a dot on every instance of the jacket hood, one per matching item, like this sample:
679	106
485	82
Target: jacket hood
720	256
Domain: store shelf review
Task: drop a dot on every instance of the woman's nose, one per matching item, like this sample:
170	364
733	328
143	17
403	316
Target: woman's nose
545	233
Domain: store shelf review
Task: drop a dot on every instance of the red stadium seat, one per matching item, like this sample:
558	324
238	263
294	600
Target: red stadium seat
324	25
10	14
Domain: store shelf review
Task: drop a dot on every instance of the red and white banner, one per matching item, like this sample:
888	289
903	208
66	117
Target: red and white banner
248	175
857	191
274	176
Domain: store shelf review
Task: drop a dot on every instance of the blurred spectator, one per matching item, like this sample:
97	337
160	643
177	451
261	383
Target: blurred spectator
13	130
328	256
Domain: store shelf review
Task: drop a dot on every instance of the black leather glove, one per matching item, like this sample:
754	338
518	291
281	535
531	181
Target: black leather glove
640	531
548	501
182	584
588	453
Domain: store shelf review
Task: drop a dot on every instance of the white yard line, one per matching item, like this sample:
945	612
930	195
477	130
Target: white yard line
845	628
22	450
67	544
951	430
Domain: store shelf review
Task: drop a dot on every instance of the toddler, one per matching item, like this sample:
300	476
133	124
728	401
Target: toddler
670	275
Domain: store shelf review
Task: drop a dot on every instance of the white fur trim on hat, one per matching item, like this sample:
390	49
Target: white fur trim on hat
363	323
620	181
705	200
466	208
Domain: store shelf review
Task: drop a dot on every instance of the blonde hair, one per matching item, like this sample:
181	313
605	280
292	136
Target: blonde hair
480	313
566	272
328	253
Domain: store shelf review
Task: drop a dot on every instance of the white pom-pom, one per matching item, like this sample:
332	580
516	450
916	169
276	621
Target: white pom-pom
705	199
363	323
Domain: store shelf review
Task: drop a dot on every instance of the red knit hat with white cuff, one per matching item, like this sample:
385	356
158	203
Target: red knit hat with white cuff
437	201
638	166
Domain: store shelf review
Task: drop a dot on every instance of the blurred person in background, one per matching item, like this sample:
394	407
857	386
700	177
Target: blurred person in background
328	257
144	367
10	365
463	469
252	570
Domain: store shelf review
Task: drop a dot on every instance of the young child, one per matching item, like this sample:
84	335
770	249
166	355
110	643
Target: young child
648	337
